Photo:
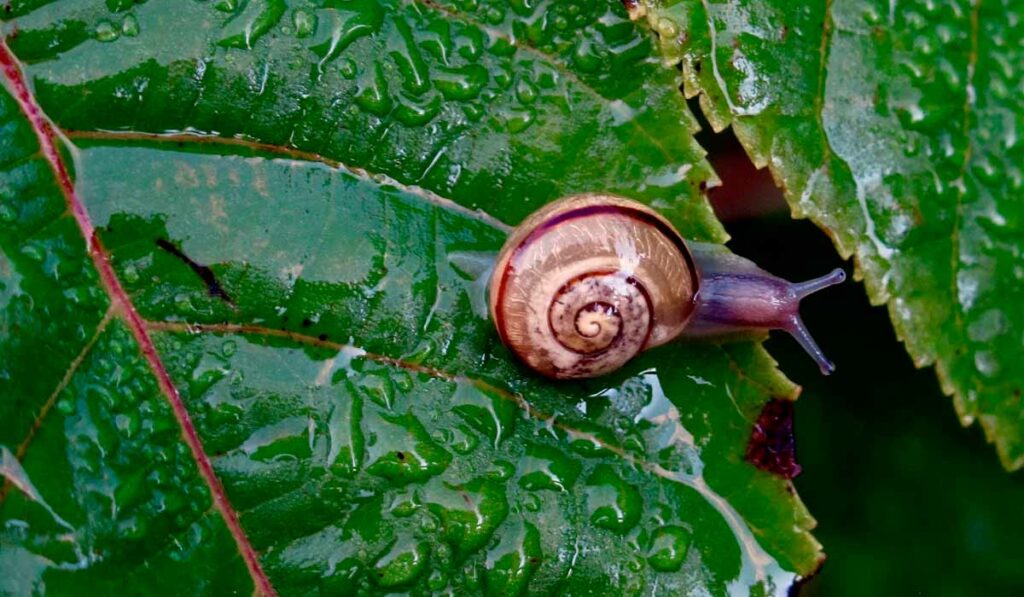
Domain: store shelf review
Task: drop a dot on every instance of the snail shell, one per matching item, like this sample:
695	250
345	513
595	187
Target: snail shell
589	281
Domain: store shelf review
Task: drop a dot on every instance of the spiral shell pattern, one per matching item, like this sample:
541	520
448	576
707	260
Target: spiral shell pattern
589	281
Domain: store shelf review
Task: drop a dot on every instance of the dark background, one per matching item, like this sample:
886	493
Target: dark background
907	501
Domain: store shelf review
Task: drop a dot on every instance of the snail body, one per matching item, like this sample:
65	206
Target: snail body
587	282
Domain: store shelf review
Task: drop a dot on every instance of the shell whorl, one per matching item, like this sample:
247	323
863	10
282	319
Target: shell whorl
587	282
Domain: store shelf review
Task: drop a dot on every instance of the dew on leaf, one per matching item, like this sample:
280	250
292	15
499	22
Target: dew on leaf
412	112
402	564
130	26
226	5
526	93
106	31
494	15
402	450
304	22
348	68
461	84
373	95
464	441
547	467
511	563
668	548
613	503
469	513
487	412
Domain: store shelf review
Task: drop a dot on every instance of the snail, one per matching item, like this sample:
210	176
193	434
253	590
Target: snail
587	282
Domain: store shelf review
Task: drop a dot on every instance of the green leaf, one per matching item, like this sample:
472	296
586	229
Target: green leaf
241	298
896	129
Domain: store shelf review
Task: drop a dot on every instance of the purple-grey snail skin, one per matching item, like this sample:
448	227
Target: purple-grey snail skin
587	282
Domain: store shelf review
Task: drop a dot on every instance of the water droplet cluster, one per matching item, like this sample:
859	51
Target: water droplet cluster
896	127
424	92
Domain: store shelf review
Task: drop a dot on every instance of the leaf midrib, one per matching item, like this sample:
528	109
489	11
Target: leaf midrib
48	138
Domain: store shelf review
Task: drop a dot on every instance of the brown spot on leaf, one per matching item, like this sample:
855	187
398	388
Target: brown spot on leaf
772	445
798	585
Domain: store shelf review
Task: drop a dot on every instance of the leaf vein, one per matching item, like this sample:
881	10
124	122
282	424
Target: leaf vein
287	153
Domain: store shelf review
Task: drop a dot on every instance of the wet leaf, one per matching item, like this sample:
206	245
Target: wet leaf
895	128
241	277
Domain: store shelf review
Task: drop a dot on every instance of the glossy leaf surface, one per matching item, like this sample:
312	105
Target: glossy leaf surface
241	303
896	127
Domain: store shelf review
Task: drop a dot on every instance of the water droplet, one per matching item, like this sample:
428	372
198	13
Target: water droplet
668	548
470	44
461	83
546	467
228	348
473	112
987	363
130	274
355	26
377	386
65	406
405	505
348	68
667	28
523	8
494	15
402	564
421	352
613	504
584	56
304	21
402	380
287	438
105	31
256	18
501	470
417	113
526	92
469	513
130	26
464	440
400	449
437	580
987	326
346	435
127	424
519	120
589	439
512	562
486	411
